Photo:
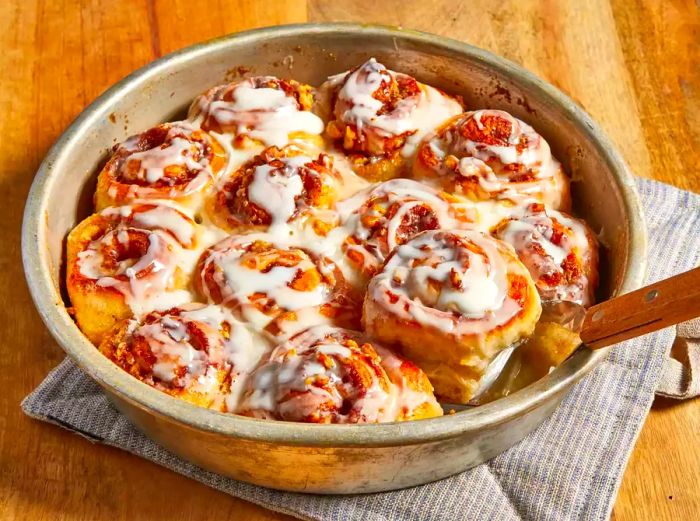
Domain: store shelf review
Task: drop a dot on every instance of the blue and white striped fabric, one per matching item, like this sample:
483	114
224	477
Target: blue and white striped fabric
569	468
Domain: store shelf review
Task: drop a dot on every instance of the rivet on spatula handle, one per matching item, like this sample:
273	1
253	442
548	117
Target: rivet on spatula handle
645	310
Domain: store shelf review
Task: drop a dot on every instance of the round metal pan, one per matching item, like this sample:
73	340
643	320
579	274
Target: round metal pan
326	458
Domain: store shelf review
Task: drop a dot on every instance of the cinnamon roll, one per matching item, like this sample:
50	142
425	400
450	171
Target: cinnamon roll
331	375
195	352
260	111
452	299
174	161
560	252
126	260
274	287
276	188
378	117
489	154
391	213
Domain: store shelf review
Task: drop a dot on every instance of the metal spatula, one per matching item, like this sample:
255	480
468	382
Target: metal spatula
634	314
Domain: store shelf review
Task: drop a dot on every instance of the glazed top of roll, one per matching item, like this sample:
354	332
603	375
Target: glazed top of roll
137	250
262	108
391	213
461	282
489	153
560	252
275	287
276	187
197	349
331	375
169	161
377	111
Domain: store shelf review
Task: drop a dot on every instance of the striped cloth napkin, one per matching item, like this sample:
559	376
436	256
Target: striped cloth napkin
569	468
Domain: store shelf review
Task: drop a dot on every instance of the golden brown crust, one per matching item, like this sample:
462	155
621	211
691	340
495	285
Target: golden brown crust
330	375
184	352
173	161
560	252
220	110
374	113
451	337
276	172
489	154
100	251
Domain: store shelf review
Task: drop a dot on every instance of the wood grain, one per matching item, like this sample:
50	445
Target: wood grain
648	309
629	63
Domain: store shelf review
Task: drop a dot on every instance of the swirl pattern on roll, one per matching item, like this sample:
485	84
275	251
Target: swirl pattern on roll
560	252
378	113
276	288
391	213
452	299
261	110
129	260
490	154
331	375
173	161
196	352
277	187
299	216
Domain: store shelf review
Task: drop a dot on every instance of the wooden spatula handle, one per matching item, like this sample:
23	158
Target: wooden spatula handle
648	309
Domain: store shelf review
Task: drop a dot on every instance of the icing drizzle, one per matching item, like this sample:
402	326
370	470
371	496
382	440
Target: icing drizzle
331	375
378	111
274	287
171	160
559	251
262	108
418	239
277	187
489	153
460	282
139	251
198	349
391	213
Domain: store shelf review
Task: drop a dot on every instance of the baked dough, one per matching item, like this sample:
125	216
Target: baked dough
174	161
195	352
331	375
560	251
318	240
128	259
378	116
488	154
452	300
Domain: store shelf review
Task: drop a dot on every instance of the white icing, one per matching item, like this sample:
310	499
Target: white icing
229	349
415	115
350	183
489	163
428	294
153	162
307	375
178	150
277	189
530	226
450	288
372	206
235	156
238	283
263	113
147	282
168	219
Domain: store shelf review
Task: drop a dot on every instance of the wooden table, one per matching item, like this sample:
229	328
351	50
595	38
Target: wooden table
628	62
